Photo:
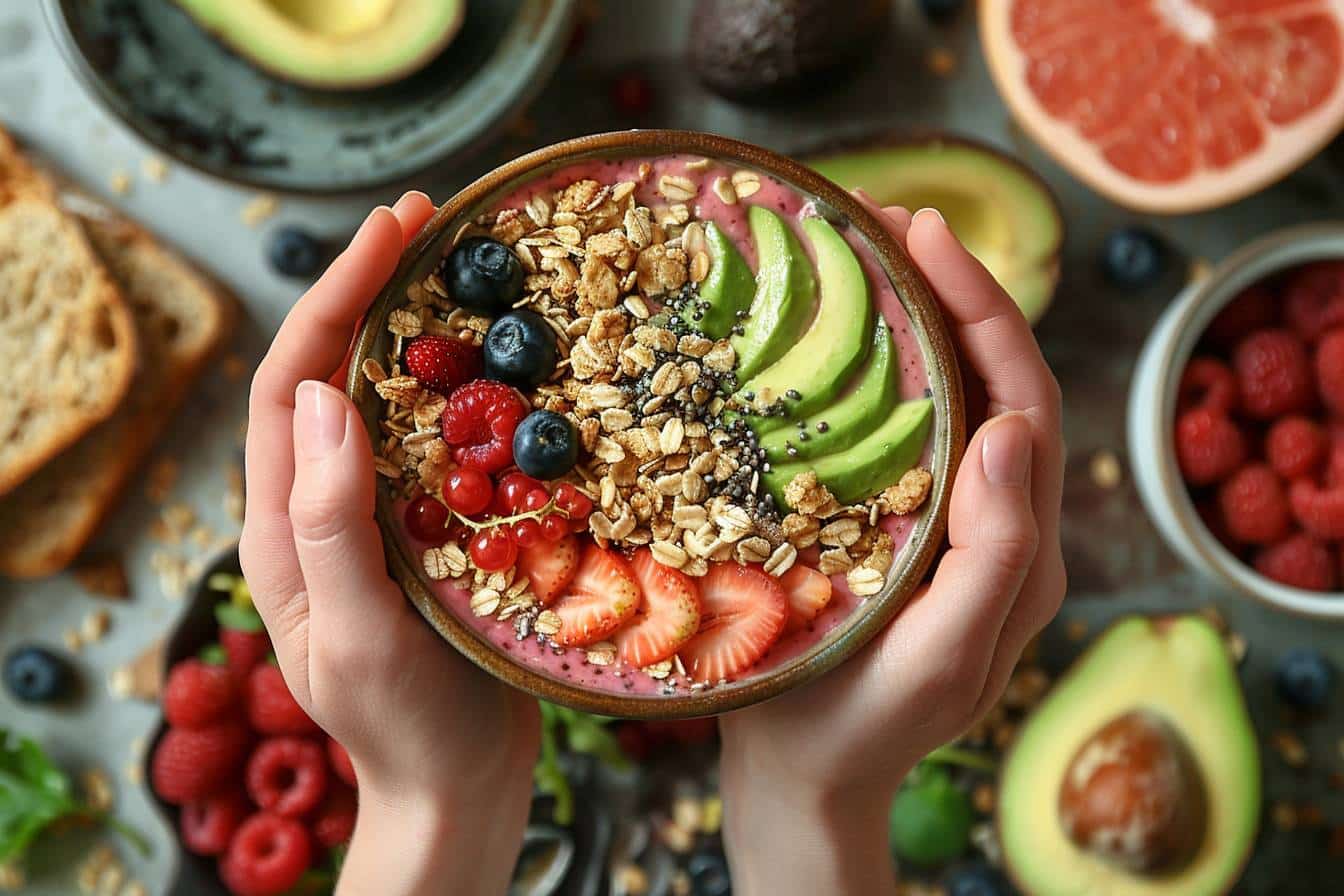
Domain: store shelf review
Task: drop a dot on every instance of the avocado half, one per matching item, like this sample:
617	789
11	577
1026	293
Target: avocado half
333	44
1000	209
1175	673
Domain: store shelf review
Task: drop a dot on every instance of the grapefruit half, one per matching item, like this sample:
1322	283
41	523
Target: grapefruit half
1171	106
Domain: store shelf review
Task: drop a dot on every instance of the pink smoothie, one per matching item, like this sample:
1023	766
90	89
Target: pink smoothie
571	665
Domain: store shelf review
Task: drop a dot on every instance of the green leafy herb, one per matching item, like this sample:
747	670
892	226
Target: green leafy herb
35	794
577	732
930	821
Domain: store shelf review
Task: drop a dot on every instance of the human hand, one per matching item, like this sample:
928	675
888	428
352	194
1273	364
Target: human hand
443	752
808	778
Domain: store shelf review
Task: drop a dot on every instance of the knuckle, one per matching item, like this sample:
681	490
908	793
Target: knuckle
318	517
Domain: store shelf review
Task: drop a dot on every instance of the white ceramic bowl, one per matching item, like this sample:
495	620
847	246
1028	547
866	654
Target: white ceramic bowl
1152	412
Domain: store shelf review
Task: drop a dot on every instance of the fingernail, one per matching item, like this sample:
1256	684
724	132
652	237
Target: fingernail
1006	450
932	212
372	214
319	420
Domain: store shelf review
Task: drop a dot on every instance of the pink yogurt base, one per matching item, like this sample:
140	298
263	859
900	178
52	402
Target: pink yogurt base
571	666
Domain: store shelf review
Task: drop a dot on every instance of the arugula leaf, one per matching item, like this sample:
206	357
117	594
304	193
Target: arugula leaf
34	794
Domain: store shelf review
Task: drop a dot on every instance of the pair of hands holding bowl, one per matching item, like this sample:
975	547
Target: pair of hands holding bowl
444	752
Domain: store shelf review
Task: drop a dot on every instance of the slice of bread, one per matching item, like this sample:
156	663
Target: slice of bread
65	330
182	317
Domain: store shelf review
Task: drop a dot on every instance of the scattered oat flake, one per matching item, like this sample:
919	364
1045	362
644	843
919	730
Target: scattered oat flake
120	182
1106	470
941	61
1200	269
259	208
154	168
95	626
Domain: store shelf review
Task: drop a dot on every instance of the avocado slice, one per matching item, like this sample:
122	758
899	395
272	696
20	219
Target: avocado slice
333	44
786	290
1000	209
1173	669
870	465
873	392
819	364
727	288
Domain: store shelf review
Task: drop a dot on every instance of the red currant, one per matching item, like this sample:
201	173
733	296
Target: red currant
427	520
493	550
512	488
468	490
527	533
554	527
535	499
578	523
574	502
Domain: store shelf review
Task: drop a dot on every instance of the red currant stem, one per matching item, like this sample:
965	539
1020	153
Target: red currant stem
494	521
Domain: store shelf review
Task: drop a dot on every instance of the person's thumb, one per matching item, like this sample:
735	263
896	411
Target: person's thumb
339	547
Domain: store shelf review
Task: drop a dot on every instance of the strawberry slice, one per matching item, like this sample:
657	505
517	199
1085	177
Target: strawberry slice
808	592
551	566
601	598
742	613
668	617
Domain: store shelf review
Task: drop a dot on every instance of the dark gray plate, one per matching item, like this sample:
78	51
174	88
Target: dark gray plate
180	89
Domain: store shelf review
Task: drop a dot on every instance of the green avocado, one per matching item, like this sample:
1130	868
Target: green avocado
1177	673
870	465
333	44
822	361
786	290
873	392
1001	210
727	288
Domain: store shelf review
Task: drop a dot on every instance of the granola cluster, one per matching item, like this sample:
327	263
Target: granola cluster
664	456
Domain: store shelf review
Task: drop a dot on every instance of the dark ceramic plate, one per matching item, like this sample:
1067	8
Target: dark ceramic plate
181	90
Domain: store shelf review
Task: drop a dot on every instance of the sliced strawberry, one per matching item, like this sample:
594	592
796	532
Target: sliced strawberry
808	593
742	613
601	598
551	566
668	617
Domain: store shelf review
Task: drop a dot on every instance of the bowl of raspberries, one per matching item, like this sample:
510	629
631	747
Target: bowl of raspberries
262	799
1236	422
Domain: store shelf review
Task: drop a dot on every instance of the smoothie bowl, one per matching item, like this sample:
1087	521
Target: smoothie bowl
665	423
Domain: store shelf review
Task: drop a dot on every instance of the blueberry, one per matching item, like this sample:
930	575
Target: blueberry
941	10
483	275
1134	257
709	875
545	445
1304	678
520	349
294	252
977	880
36	675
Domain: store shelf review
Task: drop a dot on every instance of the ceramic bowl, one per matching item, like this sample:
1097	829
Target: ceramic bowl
1152	413
181	90
948	437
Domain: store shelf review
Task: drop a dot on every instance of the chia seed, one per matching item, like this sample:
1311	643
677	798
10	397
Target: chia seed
793	394
823	426
803	436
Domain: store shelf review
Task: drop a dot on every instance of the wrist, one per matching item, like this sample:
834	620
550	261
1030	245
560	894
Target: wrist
782	836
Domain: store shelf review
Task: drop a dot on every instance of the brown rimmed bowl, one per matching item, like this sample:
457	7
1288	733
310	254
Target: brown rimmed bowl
949	433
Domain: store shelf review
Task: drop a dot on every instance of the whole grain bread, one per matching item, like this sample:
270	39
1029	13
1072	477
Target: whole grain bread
66	332
182	318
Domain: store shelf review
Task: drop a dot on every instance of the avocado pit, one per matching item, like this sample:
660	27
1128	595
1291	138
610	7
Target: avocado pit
1133	795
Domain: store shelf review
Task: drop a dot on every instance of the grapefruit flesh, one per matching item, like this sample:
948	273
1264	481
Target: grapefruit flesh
1172	105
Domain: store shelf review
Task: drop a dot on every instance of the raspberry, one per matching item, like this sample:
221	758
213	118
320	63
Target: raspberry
245	650
1334	467
271	708
1254	505
1296	446
1209	446
1208	383
287	775
1253	309
194	764
340	762
197	694
268	855
479	422
208	825
1300	562
1330	371
443	363
1275	374
334	822
1319	510
1314	299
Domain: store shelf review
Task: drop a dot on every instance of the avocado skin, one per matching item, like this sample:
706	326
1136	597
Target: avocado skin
768	50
